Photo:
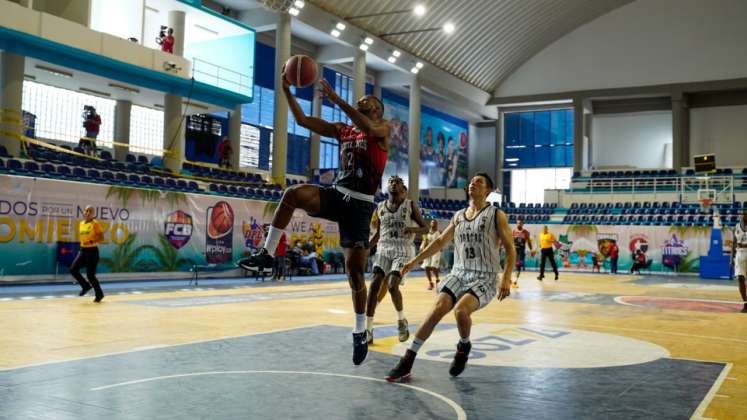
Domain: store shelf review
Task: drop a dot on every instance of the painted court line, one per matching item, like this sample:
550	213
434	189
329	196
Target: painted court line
51	362
698	414
461	415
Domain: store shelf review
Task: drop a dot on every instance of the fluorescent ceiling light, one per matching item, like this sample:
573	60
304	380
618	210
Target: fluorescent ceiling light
396	53
368	40
363	47
335	33
340	26
414	70
299	4
419	10
391	60
449	27
293	11
419	65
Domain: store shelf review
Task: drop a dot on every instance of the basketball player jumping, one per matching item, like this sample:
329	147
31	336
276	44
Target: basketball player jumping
350	202
478	232
393	238
739	256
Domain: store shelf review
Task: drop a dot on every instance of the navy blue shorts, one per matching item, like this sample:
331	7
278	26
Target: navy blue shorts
353	216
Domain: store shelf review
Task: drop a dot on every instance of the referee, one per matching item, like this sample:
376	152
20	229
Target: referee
91	234
547	240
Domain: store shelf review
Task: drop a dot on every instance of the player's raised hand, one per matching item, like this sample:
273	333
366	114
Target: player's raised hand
505	290
328	92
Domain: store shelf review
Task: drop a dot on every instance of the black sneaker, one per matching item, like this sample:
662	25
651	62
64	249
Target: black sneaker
539	278
260	262
98	298
744	310
460	359
84	290
360	347
401	372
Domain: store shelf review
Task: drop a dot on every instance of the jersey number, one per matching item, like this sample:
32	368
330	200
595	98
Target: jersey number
469	252
348	160
393	234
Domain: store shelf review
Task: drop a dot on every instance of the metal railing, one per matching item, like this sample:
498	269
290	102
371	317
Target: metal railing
222	77
686	187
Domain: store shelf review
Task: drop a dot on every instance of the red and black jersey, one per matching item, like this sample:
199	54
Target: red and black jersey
362	160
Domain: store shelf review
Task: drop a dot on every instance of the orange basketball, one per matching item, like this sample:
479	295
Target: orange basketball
300	71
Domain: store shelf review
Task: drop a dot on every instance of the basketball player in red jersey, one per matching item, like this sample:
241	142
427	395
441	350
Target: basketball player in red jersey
350	202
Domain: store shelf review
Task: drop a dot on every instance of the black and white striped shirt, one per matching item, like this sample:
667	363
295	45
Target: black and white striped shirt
476	241
392	225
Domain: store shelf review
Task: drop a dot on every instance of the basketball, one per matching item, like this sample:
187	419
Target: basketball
221	219
300	71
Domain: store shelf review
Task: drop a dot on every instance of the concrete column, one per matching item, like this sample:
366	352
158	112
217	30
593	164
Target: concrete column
377	90
498	152
280	120
173	133
315	140
12	98
578	135
176	21
122	114
680	131
359	75
414	139
234	137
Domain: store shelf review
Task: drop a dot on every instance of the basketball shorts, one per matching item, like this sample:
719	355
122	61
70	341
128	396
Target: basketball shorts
460	282
353	216
521	257
433	261
740	262
389	261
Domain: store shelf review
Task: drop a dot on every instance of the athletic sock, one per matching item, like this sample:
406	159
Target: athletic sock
273	237
415	345
464	340
369	323
360	323
401	315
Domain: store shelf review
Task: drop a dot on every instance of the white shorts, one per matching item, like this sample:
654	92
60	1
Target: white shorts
480	284
740	262
389	260
433	261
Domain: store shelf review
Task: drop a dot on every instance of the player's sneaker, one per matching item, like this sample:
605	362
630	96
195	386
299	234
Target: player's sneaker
404	333
744	310
85	289
514	285
540	278
401	372
430	286
260	261
460	359
360	347
369	337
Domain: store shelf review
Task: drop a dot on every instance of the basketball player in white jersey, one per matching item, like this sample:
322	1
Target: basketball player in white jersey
393	237
478	232
739	256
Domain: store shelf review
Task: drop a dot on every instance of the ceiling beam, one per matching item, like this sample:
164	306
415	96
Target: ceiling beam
259	19
335	54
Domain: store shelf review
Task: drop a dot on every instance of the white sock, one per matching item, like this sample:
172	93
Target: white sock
273	237
416	344
360	323
401	315
369	323
464	340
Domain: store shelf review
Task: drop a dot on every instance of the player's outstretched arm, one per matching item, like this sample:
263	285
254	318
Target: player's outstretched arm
418	218
506	241
370	127
436	246
317	125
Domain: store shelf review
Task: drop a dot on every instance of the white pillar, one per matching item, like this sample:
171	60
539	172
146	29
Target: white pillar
280	120
234	137
122	114
12	98
176	21
414	139
173	133
359	75
315	140
578	135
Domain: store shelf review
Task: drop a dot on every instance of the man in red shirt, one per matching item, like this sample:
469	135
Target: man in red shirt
349	202
281	253
614	254
224	153
167	42
521	241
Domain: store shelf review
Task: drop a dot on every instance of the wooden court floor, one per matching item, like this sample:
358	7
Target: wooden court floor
599	321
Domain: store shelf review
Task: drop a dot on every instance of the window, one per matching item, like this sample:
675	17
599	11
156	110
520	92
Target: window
529	185
59	113
329	153
249	155
538	139
146	130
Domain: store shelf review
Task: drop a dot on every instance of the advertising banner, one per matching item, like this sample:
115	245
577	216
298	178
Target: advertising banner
144	230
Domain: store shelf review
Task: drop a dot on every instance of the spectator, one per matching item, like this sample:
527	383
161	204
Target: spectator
92	125
614	253
639	262
224	153
167	42
281	258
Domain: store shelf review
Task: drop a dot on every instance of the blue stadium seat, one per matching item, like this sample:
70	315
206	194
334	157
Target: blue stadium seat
159	182
222	189
93	174
79	173
193	186
130	158
48	169
170	183
134	179
213	188
181	184
142	160
4	152
145	179
107	176
106	155
232	190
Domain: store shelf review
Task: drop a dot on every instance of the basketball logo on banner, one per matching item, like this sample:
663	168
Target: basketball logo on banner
219	238
178	228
